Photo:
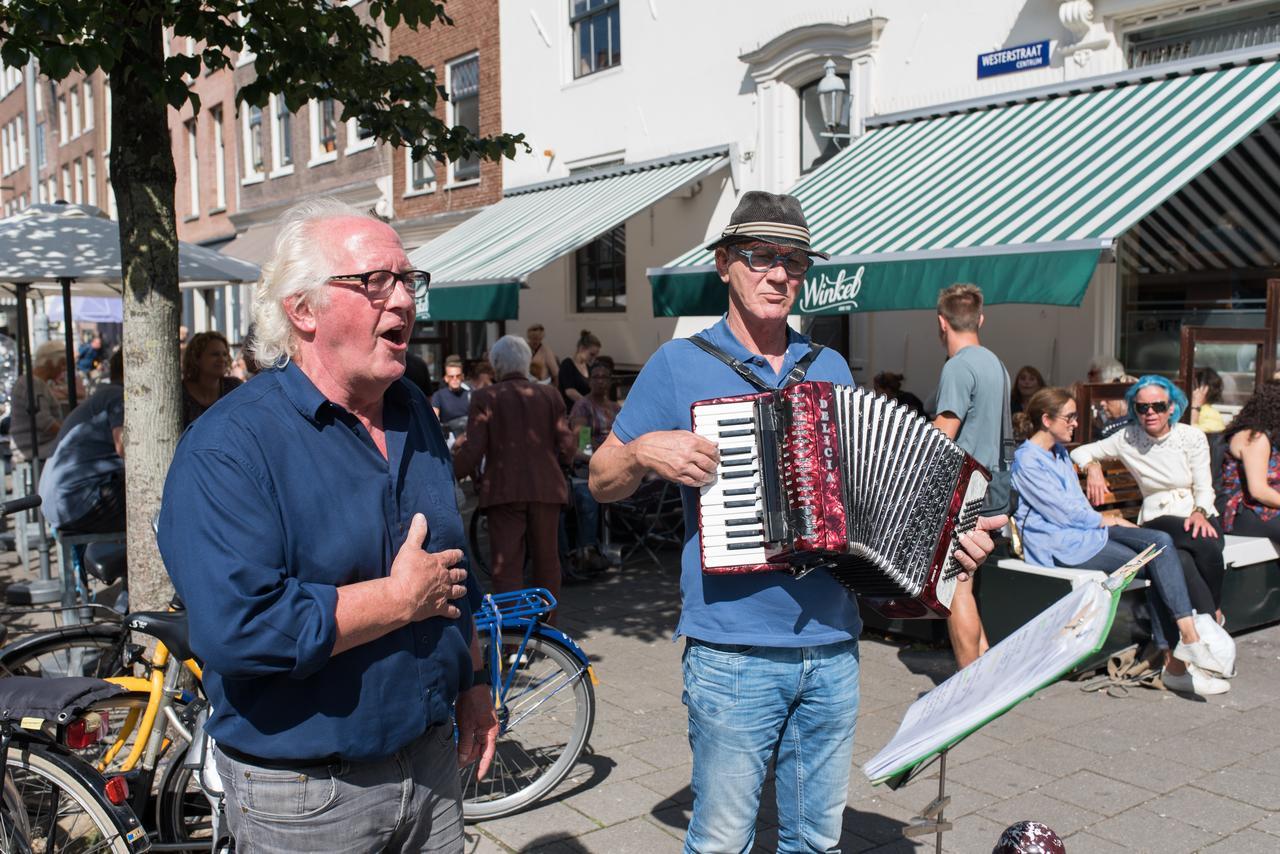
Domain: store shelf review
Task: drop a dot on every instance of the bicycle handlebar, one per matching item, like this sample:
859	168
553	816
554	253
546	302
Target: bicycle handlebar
17	505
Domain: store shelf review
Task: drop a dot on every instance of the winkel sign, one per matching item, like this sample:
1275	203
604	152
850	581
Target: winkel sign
831	294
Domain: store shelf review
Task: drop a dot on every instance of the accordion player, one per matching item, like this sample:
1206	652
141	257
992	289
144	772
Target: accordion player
817	476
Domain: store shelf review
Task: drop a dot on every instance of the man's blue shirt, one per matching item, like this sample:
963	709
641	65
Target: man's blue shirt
277	497
767	608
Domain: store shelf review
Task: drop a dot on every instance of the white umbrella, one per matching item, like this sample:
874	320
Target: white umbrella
50	243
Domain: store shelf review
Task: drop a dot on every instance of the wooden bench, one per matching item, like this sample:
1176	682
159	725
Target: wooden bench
1123	498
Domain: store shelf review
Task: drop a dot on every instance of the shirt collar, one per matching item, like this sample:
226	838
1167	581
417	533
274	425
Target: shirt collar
310	402
722	336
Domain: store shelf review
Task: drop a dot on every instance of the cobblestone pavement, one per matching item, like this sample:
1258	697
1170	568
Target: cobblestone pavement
1151	772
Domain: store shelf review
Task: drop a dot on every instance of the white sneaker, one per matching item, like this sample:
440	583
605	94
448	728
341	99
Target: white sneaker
1195	681
1201	656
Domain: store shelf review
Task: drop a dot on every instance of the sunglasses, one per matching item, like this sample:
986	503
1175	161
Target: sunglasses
764	260
1160	407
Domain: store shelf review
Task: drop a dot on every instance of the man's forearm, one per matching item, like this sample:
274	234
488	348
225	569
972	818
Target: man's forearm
615	473
365	612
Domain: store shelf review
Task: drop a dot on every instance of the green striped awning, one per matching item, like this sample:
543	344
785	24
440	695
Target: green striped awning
477	268
1019	198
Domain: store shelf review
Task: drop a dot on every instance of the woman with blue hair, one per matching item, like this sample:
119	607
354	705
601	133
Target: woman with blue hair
1170	464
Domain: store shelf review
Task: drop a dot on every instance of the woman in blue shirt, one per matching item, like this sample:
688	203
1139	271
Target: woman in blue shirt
1059	528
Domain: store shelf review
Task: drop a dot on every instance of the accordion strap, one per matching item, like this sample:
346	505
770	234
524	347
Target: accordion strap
795	375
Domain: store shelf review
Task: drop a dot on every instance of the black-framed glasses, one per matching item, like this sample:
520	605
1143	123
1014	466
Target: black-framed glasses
762	260
1073	418
1160	407
379	284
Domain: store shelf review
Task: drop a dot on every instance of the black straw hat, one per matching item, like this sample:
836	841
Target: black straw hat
769	217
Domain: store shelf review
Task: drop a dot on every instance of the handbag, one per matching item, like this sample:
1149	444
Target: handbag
1000	491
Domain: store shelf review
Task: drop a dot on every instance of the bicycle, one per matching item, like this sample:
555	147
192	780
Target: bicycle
542	688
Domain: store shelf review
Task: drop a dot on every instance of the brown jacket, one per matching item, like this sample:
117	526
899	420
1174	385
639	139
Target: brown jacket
520	430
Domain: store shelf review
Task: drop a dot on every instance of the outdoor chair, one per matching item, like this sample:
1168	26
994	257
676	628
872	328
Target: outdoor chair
652	517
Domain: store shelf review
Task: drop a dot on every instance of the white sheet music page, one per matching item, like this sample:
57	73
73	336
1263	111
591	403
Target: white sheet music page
1034	656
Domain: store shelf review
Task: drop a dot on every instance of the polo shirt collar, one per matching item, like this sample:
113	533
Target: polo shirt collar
722	336
310	402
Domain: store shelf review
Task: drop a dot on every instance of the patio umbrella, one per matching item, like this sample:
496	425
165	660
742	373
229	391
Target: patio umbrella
76	249
87	309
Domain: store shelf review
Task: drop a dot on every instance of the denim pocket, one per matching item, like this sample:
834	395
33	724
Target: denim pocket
710	678
281	795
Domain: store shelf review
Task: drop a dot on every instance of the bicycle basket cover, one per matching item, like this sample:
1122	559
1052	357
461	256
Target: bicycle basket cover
54	700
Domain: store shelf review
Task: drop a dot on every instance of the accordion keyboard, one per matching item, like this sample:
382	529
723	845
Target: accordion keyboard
732	505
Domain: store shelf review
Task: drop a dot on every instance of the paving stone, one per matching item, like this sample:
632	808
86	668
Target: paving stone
878	824
662	752
1140	826
1063	817
1247	841
1270	824
616	802
475	842
998	776
1090	844
1099	794
670	784
672	819
971	833
1155	773
1206	755
637	836
1049	756
1257	788
1206	810
534	828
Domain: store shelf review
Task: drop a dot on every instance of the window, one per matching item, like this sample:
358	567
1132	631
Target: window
42	156
66	184
20	125
464	109
602	272
815	149
596	41
51	190
1201	35
219	160
193	168
78	187
324	131
88	105
253	153
6	150
91	179
358	137
281	136
64	128
107	112
421	174
76	115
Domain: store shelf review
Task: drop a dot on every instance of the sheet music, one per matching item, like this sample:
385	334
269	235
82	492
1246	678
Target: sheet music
1035	655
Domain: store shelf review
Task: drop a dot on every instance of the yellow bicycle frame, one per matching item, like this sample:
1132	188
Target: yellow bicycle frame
154	687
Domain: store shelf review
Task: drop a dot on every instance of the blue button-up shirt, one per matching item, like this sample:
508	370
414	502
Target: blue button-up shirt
1053	515
762	608
276	498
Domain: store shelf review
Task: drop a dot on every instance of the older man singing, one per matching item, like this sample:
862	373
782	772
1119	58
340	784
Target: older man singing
309	520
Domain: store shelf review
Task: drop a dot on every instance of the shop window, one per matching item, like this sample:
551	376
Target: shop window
464	109
597	43
601	268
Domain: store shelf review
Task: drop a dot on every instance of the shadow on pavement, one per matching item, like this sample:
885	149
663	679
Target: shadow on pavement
937	664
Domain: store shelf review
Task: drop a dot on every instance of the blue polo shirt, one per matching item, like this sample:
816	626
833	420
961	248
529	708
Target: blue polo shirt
758	609
277	497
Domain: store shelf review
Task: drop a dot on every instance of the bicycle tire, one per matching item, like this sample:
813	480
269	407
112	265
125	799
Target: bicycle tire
183	813
87	649
65	806
15	829
546	718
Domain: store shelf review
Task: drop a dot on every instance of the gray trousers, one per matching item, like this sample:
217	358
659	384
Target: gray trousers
408	802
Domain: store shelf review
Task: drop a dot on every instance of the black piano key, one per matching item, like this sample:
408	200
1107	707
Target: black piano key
757	544
733	422
755	533
746	520
729	434
733	474
729	452
724	462
740	503
740	491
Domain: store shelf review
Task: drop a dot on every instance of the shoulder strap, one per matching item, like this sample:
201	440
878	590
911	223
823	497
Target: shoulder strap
1008	445
795	375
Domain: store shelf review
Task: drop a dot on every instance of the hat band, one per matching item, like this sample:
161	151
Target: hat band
767	229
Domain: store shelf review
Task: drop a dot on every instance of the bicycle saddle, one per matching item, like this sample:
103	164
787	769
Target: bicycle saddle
106	562
54	700
170	628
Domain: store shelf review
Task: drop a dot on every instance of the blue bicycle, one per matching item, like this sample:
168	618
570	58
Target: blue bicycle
542	687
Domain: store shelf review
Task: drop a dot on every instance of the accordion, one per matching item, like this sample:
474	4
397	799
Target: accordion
823	476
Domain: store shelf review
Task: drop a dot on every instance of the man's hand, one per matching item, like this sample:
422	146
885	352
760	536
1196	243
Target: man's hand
678	455
424	582
477	728
977	545
1095	484
1199	526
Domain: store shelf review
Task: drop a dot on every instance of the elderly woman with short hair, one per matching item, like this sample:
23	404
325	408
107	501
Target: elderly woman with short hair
49	365
1170	464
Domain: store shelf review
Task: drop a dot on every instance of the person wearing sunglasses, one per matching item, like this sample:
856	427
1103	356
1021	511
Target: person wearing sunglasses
1170	462
310	521
1059	528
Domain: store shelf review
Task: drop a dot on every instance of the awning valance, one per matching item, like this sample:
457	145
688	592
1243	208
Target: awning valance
1019	198
498	248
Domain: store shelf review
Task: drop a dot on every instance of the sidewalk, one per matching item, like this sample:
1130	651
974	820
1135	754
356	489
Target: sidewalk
1152	772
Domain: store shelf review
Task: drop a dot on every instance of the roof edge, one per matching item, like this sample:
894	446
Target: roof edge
620	169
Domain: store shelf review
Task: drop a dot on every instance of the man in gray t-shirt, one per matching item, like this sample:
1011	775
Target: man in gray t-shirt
972	394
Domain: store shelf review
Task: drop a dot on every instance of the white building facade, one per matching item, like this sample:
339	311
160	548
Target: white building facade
603	83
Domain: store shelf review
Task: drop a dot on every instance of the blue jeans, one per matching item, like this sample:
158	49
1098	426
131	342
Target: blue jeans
748	705
1170	601
588	510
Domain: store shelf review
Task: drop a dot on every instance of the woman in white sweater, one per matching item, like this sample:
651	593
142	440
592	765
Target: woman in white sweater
1170	463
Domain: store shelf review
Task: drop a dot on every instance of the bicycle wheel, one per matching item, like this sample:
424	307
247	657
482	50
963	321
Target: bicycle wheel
546	719
65	808
89	649
183	812
15	830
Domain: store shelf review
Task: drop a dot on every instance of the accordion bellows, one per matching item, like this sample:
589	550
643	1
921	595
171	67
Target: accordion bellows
830	477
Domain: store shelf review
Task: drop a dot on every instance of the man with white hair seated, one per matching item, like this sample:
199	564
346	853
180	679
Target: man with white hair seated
520	430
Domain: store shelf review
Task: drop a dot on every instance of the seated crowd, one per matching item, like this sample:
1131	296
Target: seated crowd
1172	465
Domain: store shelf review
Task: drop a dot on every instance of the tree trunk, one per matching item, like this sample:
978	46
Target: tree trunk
143	176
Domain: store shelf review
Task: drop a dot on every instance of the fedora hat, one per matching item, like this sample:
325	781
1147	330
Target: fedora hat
770	217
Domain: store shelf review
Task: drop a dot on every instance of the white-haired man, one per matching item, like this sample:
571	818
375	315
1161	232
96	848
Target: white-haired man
520	430
771	661
310	521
